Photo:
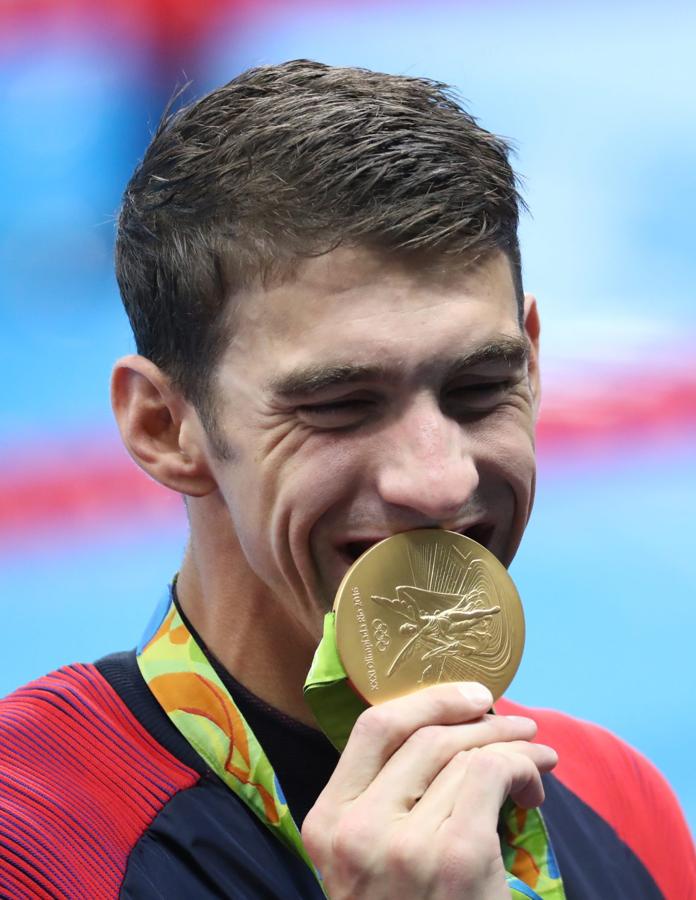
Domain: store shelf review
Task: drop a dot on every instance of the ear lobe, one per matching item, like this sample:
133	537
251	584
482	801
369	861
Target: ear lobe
532	328
152	417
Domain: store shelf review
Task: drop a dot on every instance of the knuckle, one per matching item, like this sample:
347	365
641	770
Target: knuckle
523	760
402	853
488	761
351	841
313	834
375	722
462	760
426	738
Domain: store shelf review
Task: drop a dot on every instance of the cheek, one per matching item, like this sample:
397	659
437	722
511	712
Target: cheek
506	444
304	475
315	492
319	477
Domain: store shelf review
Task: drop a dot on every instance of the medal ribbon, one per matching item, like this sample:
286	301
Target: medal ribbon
191	693
530	863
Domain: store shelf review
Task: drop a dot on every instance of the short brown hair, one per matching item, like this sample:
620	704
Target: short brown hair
290	161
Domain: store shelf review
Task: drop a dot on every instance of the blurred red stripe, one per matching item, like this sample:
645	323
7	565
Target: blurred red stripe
651	405
170	19
83	484
167	27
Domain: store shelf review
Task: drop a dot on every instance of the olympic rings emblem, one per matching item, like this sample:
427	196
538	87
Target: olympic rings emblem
380	632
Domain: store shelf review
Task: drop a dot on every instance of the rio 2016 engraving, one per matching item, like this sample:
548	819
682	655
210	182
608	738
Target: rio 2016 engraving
366	643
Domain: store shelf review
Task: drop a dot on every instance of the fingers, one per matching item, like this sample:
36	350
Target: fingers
448	844
475	784
412	807
495	775
412	768
382	729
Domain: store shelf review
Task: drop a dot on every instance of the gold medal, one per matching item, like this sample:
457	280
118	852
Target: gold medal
425	607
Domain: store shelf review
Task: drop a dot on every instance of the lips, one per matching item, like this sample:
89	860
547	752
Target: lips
480	532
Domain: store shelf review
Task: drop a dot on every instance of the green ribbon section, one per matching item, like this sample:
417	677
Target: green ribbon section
327	690
531	869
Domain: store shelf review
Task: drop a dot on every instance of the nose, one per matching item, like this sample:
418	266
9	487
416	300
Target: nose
427	463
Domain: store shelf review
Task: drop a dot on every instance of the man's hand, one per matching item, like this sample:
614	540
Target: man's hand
411	810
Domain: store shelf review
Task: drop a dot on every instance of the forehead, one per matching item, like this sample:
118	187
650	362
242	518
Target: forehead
359	306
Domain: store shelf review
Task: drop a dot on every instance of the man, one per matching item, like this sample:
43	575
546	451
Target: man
322	274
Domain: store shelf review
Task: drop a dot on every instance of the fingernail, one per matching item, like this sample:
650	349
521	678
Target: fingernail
476	693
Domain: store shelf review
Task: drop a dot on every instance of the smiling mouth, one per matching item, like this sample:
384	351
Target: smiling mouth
353	550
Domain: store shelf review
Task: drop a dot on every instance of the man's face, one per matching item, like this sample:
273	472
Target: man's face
370	396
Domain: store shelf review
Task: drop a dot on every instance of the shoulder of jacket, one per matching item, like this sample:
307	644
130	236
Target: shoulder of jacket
80	781
623	787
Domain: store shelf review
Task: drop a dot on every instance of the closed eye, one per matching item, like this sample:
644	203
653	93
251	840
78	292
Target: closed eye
337	413
478	396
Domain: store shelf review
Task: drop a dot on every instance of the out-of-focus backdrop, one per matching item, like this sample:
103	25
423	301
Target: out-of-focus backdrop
600	101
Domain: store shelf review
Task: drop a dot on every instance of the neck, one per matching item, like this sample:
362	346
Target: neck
243	624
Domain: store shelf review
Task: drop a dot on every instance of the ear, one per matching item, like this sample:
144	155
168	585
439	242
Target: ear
532	328
160	429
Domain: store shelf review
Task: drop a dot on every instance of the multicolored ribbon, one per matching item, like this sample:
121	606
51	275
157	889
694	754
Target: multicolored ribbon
188	689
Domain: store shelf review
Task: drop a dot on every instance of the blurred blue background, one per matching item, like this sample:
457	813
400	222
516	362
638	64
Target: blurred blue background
600	103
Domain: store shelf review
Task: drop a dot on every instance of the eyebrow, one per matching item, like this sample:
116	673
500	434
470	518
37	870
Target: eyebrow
313	379
513	351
